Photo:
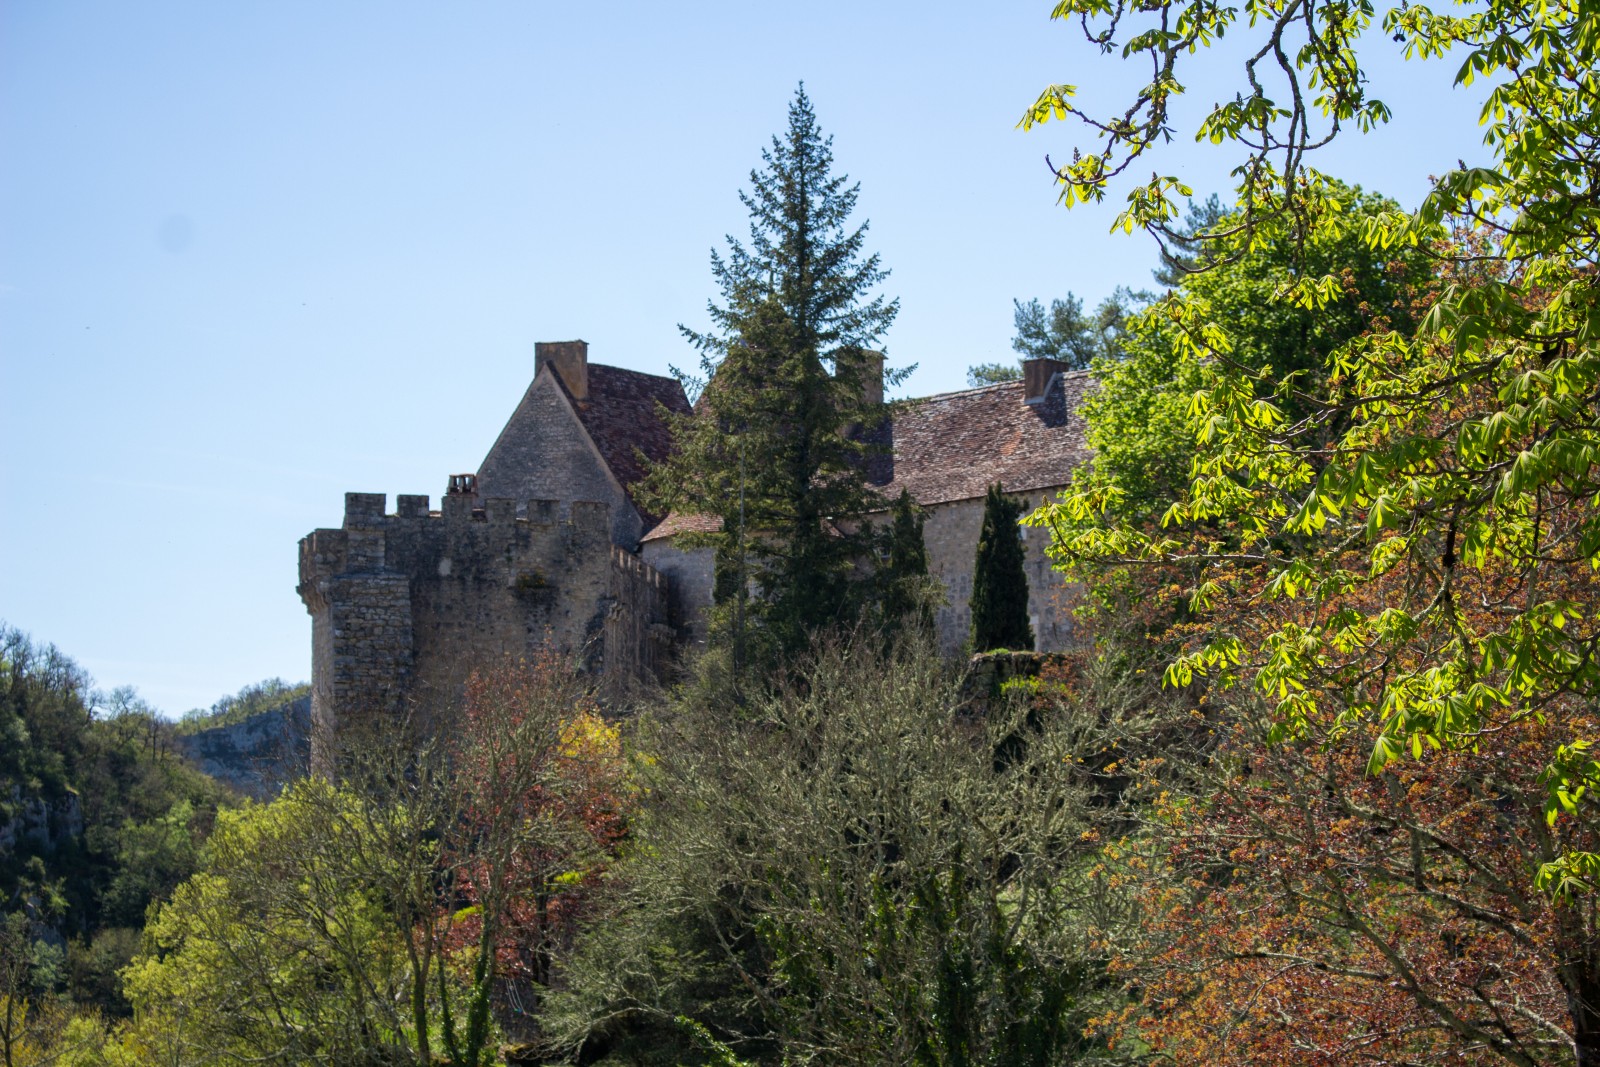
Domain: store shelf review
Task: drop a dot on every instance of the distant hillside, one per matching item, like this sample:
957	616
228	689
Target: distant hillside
271	695
257	754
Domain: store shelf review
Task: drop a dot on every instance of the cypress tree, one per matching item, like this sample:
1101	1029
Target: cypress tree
907	598
999	584
783	375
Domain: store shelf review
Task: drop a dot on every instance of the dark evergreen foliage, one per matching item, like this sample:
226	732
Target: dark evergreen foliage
906	601
1066	333
774	450
983	374
999	585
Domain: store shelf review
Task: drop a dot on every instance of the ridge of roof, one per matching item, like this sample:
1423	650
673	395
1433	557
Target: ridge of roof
952	446
1012	383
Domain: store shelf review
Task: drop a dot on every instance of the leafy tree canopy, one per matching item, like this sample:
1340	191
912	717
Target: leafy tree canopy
1139	420
102	816
845	870
1459	461
1066	333
268	695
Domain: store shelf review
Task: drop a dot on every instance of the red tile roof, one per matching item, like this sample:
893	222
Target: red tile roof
623	417
953	446
678	523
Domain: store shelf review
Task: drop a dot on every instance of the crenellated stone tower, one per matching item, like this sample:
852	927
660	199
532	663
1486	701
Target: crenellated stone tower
403	605
545	546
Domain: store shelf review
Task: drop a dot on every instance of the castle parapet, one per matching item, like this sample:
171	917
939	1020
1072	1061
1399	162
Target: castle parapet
404	605
408	506
362	509
591	515
638	643
638	570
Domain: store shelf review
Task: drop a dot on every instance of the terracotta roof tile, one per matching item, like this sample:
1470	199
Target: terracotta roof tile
622	415
677	523
953	446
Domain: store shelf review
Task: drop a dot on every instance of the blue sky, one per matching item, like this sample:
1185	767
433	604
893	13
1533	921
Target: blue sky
255	255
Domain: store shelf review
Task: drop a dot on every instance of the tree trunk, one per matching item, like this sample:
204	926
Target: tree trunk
1580	976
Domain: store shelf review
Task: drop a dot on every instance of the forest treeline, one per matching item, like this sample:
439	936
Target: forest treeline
1317	788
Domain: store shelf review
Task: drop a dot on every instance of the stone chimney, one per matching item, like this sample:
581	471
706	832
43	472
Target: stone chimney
869	365
872	378
570	362
1037	374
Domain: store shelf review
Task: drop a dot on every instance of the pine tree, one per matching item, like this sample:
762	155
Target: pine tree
784	377
999	585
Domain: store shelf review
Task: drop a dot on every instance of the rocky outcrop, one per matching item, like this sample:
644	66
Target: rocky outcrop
258	755
39	825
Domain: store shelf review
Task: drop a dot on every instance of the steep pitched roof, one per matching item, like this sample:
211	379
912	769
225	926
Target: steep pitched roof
953	446
680	523
622	418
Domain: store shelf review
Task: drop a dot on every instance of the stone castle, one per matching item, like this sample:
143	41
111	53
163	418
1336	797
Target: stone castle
545	546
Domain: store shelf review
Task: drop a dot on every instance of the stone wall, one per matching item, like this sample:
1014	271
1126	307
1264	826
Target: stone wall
951	534
639	642
403	606
690	578
545	452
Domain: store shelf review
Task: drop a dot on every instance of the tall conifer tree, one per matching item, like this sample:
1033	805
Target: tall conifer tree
785	374
999	584
907	595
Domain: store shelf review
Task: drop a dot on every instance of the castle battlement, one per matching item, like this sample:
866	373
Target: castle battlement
365	510
636	569
541	546
403	605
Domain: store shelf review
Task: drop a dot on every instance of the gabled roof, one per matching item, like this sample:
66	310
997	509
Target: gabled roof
953	446
621	416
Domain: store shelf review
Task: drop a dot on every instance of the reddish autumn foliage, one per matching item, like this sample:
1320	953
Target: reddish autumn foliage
1301	910
1307	913
545	801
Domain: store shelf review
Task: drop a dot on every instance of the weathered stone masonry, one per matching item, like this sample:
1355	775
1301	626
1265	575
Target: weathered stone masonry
404	605
545	546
